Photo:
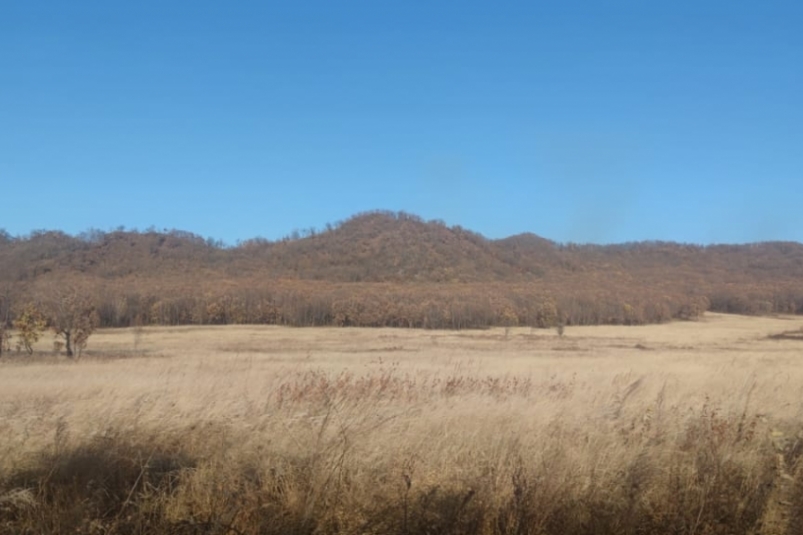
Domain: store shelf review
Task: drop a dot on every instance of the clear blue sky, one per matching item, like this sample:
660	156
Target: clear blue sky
596	121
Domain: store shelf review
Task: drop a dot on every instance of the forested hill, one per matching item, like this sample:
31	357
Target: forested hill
384	268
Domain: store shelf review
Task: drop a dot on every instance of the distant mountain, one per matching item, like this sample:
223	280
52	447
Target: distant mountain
403	250
387	247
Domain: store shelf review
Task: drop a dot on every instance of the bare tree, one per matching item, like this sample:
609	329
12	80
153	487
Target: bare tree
5	319
71	315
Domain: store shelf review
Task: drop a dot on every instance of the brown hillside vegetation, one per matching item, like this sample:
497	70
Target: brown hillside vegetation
394	269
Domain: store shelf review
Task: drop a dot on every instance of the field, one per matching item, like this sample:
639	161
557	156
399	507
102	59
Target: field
687	427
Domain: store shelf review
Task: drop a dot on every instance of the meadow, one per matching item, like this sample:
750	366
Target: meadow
689	427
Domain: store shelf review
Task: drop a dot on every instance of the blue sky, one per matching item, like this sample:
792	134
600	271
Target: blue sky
586	122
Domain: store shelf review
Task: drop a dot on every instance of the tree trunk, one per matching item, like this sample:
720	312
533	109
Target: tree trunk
67	343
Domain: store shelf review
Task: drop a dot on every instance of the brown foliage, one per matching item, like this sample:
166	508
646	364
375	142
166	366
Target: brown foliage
394	269
29	325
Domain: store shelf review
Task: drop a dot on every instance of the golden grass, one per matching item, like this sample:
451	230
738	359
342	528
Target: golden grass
679	428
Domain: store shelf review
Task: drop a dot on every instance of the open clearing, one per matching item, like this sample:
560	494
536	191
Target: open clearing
688	427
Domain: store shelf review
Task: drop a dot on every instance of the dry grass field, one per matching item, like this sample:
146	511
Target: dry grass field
683	428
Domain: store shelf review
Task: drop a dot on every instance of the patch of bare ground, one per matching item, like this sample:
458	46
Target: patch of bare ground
627	430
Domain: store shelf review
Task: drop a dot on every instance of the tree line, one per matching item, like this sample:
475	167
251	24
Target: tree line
72	309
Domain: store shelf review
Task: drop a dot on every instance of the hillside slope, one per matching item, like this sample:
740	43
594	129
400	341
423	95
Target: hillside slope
398	254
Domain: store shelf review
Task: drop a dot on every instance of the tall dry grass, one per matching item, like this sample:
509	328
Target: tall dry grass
687	428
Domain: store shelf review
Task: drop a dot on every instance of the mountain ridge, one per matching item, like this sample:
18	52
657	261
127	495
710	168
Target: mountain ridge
379	246
384	257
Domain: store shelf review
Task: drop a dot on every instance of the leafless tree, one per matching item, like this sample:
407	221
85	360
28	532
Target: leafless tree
5	319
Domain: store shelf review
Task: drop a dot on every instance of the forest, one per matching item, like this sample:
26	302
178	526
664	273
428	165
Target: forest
388	269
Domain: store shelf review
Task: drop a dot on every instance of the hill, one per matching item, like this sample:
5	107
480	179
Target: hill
384	268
